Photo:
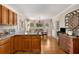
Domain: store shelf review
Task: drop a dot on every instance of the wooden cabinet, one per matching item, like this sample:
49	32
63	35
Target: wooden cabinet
76	45
18	43
12	45
32	43
5	15
36	44
21	43
14	18
10	17
69	43
27	43
5	46
0	14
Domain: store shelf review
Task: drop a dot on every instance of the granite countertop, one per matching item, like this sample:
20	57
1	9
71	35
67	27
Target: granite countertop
73	36
32	34
70	36
10	35
6	36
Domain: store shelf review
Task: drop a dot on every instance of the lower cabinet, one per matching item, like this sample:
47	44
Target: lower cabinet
5	47
20	43
12	45
36	45
27	43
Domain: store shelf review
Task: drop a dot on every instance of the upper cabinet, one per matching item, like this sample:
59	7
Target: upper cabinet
4	15
7	17
10	17
14	18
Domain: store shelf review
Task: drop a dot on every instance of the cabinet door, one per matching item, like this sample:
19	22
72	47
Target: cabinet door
14	18
5	48
18	43
10	17
4	15
0	14
27	45
76	45
12	45
36	45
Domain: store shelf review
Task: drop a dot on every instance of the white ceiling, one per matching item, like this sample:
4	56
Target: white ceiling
39	10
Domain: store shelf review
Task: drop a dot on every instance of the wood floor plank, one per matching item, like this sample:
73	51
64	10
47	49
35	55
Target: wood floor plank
50	46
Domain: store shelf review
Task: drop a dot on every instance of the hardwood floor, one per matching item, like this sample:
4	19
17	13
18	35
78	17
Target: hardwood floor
50	46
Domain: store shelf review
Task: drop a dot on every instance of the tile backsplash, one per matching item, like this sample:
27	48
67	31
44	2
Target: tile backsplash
7	29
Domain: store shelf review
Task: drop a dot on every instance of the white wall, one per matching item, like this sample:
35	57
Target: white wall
20	27
61	18
54	30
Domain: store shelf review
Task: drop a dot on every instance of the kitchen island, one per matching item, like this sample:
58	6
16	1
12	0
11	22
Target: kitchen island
21	43
70	44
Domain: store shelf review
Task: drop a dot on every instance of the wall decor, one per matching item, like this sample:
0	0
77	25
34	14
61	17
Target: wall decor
72	20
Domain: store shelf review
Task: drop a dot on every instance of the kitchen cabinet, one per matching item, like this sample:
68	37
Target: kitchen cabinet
32	43
36	44
14	18
0	14
10	17
18	43
5	15
12	45
5	49
5	46
27	43
21	43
